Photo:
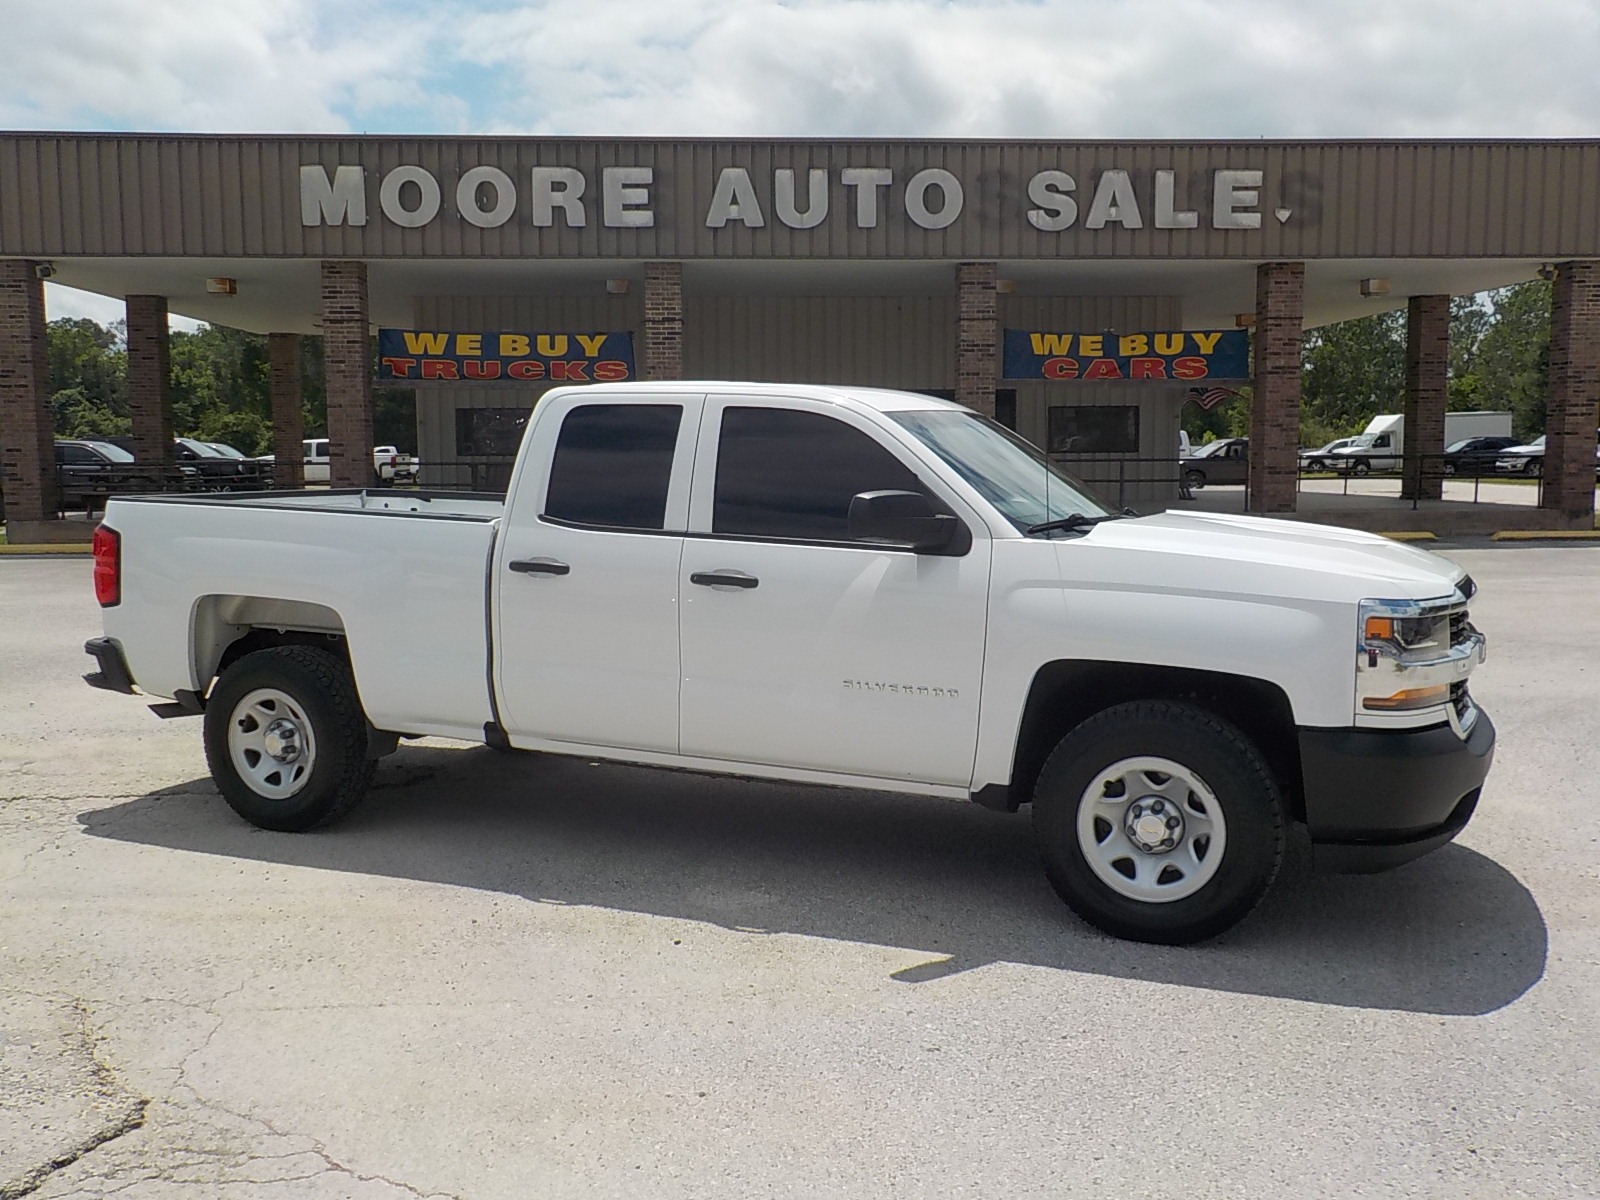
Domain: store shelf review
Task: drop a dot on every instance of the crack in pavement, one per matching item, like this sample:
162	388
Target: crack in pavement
129	1117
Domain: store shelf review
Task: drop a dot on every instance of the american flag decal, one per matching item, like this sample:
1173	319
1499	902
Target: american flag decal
1212	396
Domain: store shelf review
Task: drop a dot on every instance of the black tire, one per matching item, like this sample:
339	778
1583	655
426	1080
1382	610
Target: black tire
1224	760
1195	479
1535	467
1361	467
316	697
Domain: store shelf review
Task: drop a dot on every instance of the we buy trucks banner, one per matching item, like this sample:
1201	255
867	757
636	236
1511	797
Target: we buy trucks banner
1184	354
435	356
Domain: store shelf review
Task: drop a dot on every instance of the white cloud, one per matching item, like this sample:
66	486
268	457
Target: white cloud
1061	69
204	65
813	68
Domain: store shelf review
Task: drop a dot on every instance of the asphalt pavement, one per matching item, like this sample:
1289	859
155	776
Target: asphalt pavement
519	976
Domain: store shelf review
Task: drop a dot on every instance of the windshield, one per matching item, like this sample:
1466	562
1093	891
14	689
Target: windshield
115	453
1212	449
1011	474
225	450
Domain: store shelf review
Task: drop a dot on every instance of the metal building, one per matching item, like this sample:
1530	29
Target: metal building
889	263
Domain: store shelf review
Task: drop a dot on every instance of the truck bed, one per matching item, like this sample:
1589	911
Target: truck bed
402	574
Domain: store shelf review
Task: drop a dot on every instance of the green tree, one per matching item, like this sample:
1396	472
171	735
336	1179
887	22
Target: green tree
1511	362
1353	371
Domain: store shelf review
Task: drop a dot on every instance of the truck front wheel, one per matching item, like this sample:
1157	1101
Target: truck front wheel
1158	821
286	739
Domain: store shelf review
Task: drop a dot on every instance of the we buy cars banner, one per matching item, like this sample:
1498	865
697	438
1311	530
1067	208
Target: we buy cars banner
1176	354
438	356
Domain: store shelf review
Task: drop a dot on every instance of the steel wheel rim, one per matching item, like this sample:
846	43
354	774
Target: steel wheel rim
271	743
1110	829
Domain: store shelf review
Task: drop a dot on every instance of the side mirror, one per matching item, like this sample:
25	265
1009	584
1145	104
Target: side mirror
901	519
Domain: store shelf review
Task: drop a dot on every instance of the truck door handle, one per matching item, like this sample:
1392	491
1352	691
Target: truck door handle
539	566
736	579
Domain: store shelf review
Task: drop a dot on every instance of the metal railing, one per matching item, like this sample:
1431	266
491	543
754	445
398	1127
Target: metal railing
1423	476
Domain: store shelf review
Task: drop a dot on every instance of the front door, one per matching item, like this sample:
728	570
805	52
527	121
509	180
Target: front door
800	648
586	576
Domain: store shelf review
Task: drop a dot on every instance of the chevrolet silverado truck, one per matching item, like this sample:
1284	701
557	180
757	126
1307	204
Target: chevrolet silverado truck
836	586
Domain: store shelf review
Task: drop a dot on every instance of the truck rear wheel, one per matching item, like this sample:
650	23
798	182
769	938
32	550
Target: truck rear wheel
286	739
1158	821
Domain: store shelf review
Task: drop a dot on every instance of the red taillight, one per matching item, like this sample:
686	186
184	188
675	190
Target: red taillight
107	566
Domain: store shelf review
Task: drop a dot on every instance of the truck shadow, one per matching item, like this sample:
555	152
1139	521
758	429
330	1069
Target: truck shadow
1454	933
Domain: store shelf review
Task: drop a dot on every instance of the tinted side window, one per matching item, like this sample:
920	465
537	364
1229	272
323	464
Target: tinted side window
612	465
791	474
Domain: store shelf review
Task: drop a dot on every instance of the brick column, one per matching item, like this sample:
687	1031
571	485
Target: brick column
150	379
27	431
1570	416
283	385
347	370
663	320
977	338
1427	389
1275	410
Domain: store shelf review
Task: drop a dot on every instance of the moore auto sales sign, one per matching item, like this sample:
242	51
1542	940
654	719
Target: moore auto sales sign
861	195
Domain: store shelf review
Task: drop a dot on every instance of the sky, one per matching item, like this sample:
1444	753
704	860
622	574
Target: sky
1066	69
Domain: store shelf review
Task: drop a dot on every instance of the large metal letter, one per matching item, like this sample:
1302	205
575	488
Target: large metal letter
734	200
343	201
817	198
389	196
917	198
1057	210
622	197
866	181
558	187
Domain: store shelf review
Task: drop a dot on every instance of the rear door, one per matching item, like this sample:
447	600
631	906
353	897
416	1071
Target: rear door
585	578
802	649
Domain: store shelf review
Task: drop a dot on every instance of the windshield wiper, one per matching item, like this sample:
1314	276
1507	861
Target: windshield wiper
1078	521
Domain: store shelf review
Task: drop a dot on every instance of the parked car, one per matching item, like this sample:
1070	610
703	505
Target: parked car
223	469
1475	456
1527	459
1226	460
1318	459
89	471
815	584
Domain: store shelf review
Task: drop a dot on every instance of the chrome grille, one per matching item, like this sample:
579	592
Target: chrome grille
1460	627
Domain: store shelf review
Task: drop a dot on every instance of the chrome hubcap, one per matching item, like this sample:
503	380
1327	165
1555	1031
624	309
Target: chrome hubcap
281	740
1151	829
1153	825
271	744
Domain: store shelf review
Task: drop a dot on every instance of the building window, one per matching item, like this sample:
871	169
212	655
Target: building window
788	474
1094	429
612	465
490	432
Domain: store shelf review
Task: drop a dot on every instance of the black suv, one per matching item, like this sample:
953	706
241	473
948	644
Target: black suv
1475	456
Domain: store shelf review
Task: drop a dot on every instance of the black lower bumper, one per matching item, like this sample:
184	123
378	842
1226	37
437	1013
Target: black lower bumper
113	674
1379	798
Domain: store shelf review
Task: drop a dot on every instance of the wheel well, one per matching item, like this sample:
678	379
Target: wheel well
265	639
226	628
1064	694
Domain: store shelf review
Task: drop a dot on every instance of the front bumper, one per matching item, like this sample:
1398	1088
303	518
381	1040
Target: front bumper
1379	798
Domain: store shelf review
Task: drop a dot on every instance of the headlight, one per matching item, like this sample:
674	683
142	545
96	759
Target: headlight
1414	656
1404	630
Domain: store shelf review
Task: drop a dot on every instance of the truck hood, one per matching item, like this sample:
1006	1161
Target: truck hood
1217	552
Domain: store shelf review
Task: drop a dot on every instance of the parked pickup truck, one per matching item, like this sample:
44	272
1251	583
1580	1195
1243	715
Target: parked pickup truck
836	586
388	463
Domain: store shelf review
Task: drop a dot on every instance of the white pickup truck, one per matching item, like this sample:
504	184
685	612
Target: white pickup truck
837	586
